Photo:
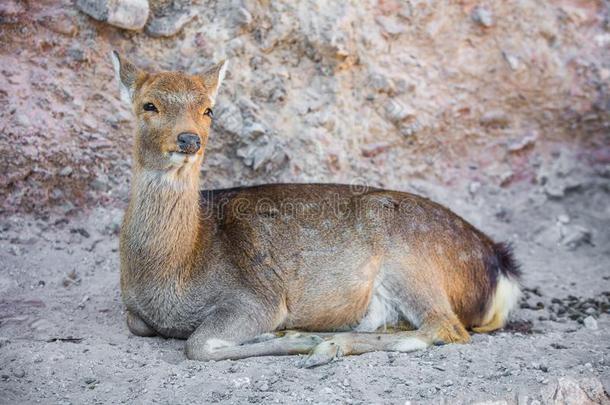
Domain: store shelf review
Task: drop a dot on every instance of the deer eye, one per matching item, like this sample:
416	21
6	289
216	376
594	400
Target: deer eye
150	107
209	112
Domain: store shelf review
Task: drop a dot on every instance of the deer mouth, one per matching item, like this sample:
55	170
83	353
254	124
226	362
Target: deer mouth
179	158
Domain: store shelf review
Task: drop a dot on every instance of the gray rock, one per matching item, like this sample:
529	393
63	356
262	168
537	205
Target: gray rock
576	236
474	187
101	182
390	25
397	111
525	142
381	83
262	151
482	16
15	250
590	323
512	60
94	8
254	130
66	171
169	25
23	120
242	17
229	119
495	118
127	14
571	391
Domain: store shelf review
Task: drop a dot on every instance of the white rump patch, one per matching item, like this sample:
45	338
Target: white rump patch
506	297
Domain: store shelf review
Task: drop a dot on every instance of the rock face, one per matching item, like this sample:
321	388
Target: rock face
448	91
127	14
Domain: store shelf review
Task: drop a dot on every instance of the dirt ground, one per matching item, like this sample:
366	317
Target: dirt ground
63	338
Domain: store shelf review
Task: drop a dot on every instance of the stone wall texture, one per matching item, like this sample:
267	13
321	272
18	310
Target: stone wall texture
462	93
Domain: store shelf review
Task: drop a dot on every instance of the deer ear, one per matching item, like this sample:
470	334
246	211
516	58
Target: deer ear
127	74
213	78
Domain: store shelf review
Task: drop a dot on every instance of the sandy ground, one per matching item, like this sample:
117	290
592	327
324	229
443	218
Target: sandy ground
63	338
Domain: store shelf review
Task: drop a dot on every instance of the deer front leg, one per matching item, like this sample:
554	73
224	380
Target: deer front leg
229	333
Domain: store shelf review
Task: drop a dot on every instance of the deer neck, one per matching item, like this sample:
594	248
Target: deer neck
162	224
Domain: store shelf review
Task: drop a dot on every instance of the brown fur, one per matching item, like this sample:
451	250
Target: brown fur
224	266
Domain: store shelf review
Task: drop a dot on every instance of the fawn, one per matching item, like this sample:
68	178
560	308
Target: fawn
318	269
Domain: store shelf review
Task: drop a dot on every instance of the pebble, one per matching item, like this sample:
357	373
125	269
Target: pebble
19	373
590	323
390	25
576	236
15	250
168	26
66	171
23	120
512	60
563	218
242	17
474	187
241	382
495	118
397	111
482	16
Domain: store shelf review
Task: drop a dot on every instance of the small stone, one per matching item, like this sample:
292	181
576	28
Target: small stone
242	17
100	183
19	373
264	386
495	119
474	187
590	323
66	171
253	130
15	250
523	143
390	25
482	16
241	382
23	120
398	112
576	236
374	149
381	83
570	391
168	26
512	60
563	219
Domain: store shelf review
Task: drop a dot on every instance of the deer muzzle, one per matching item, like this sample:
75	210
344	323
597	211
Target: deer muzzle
188	142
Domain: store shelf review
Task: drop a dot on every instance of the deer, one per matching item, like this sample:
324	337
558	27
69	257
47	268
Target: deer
318	270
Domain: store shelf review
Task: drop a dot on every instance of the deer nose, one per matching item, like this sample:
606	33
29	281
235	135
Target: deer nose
189	142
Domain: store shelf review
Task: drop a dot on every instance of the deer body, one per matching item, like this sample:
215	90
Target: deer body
225	268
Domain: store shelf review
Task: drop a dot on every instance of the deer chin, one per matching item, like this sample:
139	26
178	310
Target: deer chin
179	159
